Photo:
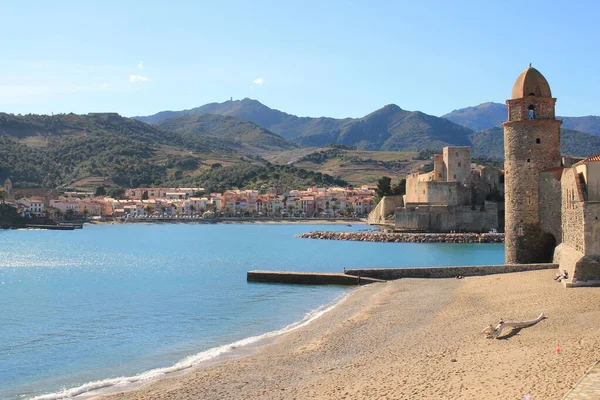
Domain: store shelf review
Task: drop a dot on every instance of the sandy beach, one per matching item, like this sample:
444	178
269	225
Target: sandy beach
416	339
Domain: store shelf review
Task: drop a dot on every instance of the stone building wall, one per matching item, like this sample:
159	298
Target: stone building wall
412	188
457	162
550	203
572	211
591	219
386	207
446	193
439	172
530	146
446	219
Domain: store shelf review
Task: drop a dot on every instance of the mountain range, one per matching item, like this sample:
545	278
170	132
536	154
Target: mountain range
394	129
389	128
186	146
489	115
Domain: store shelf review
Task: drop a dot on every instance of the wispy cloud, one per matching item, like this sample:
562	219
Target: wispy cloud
138	78
140	65
259	81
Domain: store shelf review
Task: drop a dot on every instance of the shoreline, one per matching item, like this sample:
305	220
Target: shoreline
235	221
415	338
240	348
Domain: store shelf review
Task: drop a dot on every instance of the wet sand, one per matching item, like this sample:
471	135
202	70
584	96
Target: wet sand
416	339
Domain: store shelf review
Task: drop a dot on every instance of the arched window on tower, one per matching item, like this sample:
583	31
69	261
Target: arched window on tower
532	112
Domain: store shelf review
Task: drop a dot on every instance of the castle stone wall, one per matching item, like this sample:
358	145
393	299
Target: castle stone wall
446	219
386	207
457	162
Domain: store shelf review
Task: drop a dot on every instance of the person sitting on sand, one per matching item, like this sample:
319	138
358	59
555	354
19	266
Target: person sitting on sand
561	276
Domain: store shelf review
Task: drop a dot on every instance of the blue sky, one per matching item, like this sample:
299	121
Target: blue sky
321	58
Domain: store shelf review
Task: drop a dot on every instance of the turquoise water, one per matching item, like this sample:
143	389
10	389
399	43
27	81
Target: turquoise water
117	300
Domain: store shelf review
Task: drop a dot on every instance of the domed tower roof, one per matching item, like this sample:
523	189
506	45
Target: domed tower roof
531	83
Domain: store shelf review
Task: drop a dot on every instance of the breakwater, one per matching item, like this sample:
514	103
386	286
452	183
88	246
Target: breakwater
406	237
308	278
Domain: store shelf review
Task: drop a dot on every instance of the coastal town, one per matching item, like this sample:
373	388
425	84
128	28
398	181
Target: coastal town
312	200
175	203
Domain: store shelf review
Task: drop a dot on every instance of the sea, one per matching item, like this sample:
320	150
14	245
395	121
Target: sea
111	306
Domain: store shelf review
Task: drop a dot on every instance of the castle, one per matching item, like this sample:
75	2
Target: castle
452	197
552	208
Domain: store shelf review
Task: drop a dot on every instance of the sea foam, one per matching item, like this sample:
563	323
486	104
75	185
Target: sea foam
123	383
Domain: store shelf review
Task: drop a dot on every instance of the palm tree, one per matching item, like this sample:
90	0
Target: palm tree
192	209
149	210
349	210
86	213
69	213
57	213
334	208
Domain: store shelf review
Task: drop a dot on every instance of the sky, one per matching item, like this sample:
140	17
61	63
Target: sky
308	58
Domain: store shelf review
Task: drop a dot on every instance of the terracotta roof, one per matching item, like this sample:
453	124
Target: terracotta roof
531	82
595	158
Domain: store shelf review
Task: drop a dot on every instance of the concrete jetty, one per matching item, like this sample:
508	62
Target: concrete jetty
308	278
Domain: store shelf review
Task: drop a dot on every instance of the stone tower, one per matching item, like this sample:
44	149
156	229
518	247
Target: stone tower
531	145
8	189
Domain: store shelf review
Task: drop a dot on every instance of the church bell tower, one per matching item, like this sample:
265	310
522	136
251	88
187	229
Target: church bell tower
531	145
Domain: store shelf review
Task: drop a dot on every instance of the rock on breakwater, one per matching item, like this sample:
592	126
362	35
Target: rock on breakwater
406	237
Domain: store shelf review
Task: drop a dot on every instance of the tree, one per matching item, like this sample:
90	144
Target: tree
149	210
145	195
100	191
86	213
116	192
2	195
400	188
384	186
334	208
69	213
192	209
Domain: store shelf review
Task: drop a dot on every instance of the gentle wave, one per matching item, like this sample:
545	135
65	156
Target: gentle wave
123	382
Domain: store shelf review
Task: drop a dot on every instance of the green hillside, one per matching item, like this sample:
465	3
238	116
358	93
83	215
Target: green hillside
389	128
237	132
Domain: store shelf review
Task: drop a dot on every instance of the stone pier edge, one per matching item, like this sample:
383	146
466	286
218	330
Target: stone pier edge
446	272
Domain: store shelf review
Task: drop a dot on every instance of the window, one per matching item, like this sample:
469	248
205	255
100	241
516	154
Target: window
538	140
459	163
439	175
529	160
456	154
532	112
454	176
